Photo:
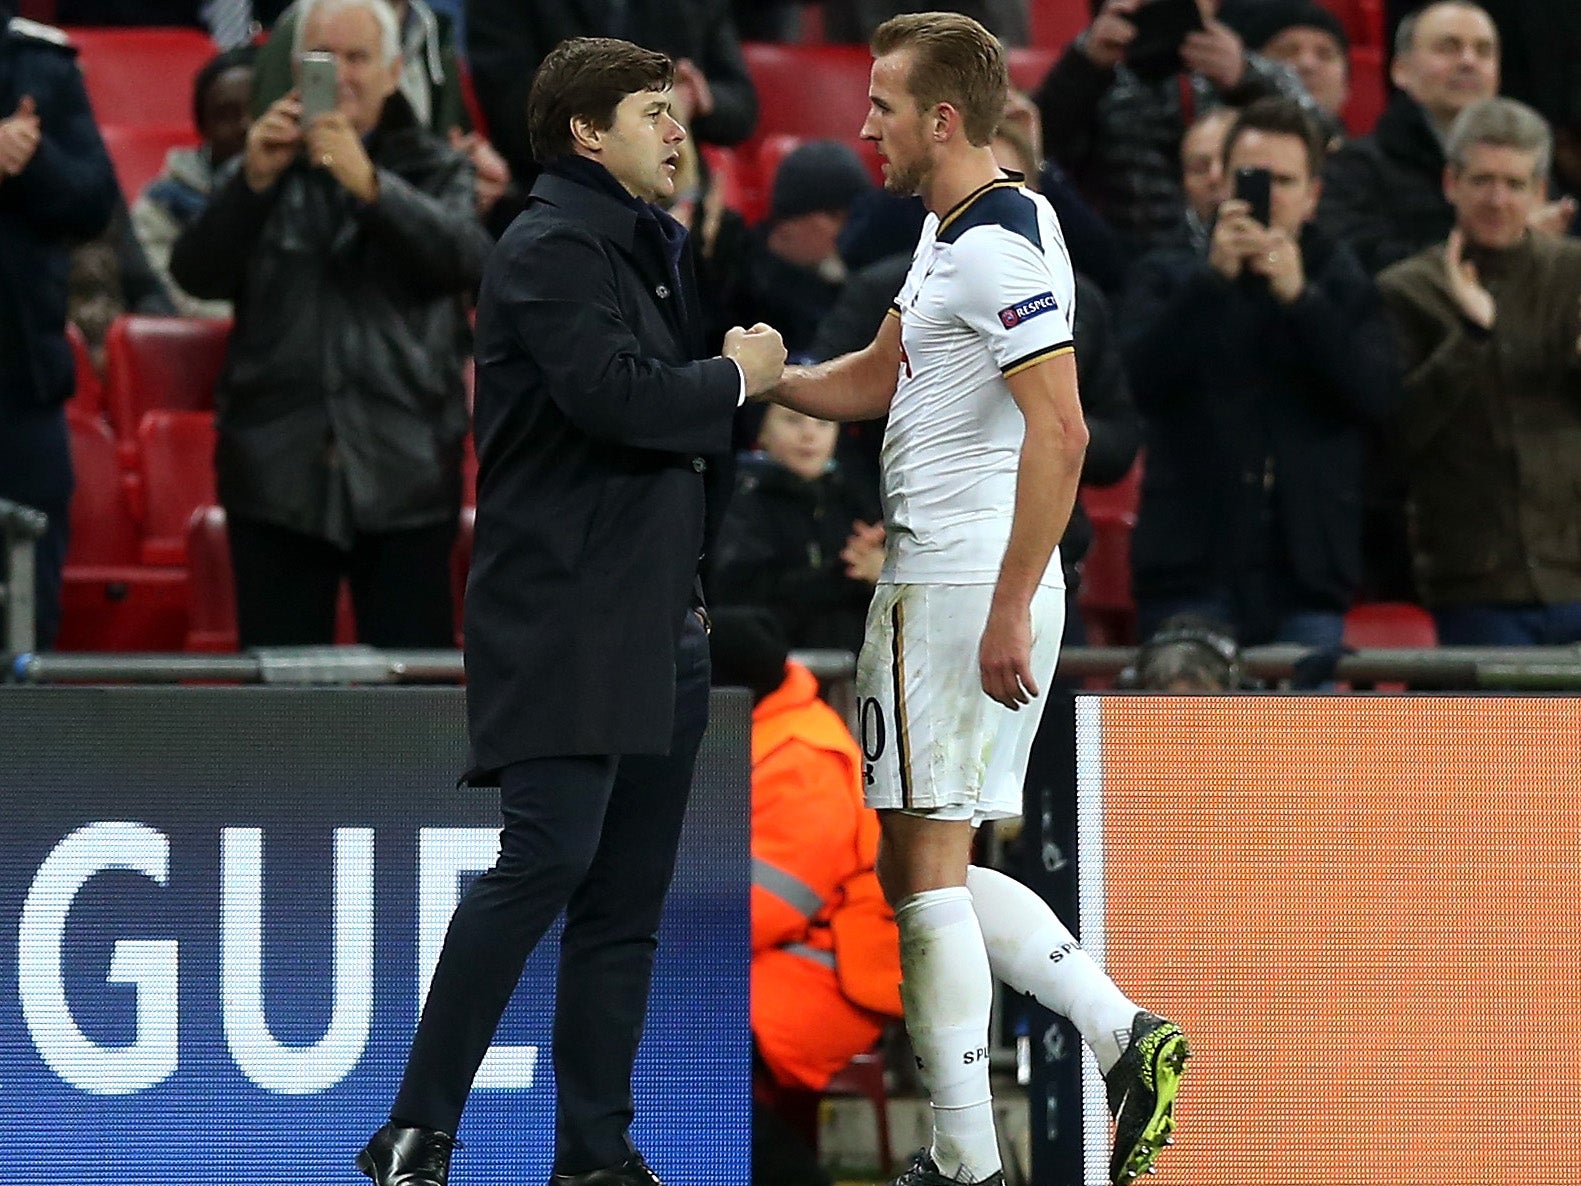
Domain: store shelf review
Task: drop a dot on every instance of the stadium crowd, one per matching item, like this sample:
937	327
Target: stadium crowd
1329	308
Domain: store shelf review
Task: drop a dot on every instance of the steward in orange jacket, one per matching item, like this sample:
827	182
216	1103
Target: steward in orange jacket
825	951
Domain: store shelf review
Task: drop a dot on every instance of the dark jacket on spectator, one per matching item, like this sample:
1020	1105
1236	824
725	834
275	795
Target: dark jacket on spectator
1491	426
779	549
1254	415
1384	194
1119	135
340	409
769	288
66	192
506	39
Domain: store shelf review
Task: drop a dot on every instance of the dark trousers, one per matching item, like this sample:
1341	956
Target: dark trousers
1509	625
595	837
288	584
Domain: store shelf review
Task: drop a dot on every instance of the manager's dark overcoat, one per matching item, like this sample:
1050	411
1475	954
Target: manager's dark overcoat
596	432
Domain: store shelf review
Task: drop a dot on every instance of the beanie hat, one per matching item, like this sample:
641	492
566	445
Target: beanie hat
818	175
1259	23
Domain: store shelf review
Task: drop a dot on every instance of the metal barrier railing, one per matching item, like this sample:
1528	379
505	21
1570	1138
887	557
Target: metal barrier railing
1532	669
21	527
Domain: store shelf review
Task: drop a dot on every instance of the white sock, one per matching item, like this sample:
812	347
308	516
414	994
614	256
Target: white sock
947	993
1031	951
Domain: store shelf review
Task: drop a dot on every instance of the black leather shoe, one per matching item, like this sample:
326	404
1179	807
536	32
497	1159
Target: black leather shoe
634	1171
400	1156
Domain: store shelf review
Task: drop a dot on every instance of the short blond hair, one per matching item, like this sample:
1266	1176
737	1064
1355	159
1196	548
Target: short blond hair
957	62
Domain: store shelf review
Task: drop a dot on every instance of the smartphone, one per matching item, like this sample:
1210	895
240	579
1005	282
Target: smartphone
1161	25
318	81
1255	187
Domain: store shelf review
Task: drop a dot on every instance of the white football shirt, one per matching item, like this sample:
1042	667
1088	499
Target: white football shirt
990	292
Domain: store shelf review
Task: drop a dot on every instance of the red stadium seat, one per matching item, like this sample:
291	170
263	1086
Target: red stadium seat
812	91
1055	23
141	75
1029	64
1363	20
1369	89
103	527
1385	624
176	454
1108	606
212	628
469	472
88	396
138	151
1122	498
161	362
109	601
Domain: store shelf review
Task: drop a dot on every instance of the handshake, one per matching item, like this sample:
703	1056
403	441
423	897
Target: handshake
760	353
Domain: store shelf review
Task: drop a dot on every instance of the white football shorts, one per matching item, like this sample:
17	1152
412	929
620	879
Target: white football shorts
933	742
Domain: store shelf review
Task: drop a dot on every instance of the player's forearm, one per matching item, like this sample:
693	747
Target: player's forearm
853	387
1046	481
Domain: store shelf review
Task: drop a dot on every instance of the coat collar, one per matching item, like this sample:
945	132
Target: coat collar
1405	133
614	219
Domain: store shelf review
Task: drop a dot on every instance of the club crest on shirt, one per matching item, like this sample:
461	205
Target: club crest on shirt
1025	310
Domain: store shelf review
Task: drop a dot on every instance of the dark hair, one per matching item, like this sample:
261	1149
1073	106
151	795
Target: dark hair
1280	117
587	77
957	62
1192	650
209	74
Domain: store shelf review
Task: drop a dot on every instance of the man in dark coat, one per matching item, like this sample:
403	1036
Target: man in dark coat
1383	195
587	665
349	246
56	185
506	39
1257	371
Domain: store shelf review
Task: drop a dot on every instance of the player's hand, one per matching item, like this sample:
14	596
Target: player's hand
272	142
760	352
1110	33
19	137
1237	236
334	146
1465	286
1004	657
1216	53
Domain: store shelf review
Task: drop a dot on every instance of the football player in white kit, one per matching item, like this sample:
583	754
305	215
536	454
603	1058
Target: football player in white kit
981	460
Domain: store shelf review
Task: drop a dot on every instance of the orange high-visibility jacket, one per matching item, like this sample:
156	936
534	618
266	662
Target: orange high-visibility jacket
825	950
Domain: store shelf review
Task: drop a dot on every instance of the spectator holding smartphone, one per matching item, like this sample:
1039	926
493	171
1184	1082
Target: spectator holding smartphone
1256	369
1118	102
349	242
